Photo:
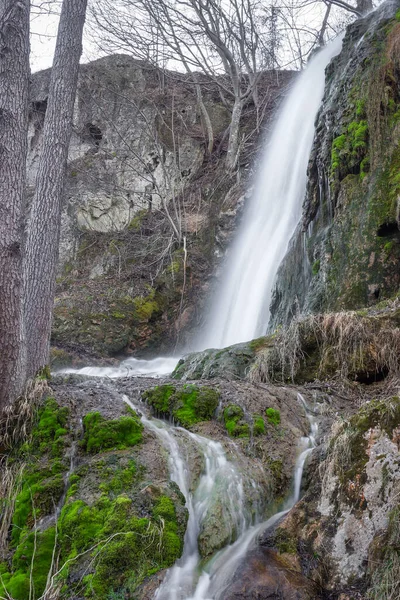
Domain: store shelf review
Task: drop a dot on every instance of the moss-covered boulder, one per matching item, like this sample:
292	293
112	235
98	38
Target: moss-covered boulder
232	362
188	404
91	512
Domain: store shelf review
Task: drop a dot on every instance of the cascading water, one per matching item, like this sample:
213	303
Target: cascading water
240	307
131	367
220	479
220	483
240	314
219	573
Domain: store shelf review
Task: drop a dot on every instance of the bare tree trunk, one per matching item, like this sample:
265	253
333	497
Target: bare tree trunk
44	227
206	119
234	131
324	25
14	102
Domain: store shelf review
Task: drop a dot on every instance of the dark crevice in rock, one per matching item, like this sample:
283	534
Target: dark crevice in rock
388	229
93	134
369	378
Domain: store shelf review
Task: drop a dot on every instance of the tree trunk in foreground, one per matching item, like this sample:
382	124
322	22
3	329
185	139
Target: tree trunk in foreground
14	103
45	218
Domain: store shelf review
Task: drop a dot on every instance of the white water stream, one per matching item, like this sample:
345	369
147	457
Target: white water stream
220	482
240	307
131	367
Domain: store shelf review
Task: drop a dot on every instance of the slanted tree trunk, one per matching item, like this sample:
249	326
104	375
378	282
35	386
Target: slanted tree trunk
234	131
45	218
14	102
205	119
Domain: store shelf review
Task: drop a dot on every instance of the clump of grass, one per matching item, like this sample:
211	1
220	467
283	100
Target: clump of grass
17	418
351	345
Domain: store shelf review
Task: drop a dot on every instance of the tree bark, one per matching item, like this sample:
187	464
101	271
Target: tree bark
234	131
206	119
14	103
45	218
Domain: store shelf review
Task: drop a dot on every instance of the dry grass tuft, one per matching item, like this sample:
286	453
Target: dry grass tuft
350	345
10	484
16	420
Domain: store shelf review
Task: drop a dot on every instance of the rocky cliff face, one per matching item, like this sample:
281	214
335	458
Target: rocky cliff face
138	178
346	252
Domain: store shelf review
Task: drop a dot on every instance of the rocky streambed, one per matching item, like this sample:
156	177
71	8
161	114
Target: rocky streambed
89	509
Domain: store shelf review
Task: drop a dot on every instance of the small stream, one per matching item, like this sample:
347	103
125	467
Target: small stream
189	578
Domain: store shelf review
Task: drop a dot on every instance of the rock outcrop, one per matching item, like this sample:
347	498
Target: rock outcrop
139	181
346	253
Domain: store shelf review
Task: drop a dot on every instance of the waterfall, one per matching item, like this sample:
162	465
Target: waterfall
220	481
217	576
240	307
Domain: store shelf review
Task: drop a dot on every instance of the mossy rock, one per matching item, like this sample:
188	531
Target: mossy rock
189	404
101	434
234	421
115	525
350	443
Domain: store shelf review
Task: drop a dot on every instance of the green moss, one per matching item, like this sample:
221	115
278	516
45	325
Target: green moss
235	424
36	551
258	425
285	542
189	404
349	149
115	480
50	430
165	509
159	398
338	145
360	108
131	547
316	267
388	247
273	416
260	343
101	434
136	222
118	315
146	306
